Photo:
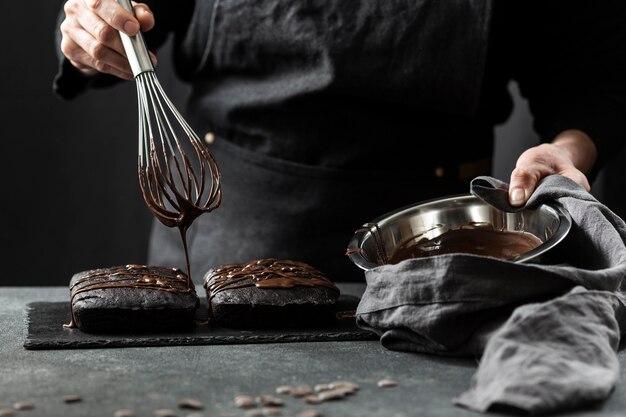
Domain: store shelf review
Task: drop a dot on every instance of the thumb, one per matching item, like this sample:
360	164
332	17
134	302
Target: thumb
521	186
144	15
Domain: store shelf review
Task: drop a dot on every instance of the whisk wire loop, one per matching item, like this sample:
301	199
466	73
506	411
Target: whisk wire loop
172	187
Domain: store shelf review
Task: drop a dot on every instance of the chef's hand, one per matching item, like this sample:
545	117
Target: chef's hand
571	154
91	40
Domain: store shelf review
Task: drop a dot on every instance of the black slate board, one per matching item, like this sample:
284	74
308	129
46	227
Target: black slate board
45	331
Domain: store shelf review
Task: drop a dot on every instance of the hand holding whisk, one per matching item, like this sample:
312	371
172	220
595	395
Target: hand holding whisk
176	186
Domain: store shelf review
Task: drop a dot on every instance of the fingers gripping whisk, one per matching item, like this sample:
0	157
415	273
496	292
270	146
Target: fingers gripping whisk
177	186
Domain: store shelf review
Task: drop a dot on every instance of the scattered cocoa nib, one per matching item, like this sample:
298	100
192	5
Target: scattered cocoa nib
71	399
301	391
321	387
312	399
191	404
284	389
245	401
268	400
333	394
24	405
386	383
344	384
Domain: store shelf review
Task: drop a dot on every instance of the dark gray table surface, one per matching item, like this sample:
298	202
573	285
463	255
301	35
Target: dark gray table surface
145	379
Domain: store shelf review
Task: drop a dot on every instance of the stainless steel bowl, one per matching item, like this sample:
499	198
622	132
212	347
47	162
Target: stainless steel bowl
371	243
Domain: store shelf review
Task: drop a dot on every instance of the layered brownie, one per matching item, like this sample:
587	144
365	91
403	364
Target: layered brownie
270	293
132	298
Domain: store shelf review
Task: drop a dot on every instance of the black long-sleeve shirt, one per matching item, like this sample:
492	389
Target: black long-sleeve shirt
569	58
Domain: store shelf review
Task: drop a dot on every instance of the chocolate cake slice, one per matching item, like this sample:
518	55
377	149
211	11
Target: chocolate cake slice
132	298
270	293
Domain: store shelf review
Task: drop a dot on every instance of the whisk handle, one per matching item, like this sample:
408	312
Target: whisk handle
135	47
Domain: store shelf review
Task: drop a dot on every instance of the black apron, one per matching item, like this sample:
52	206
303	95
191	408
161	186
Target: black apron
327	114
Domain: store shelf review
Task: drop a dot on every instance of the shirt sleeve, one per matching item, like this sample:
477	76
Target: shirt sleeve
170	17
570	61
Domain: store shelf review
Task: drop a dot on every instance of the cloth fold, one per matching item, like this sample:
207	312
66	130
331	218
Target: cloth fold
547	330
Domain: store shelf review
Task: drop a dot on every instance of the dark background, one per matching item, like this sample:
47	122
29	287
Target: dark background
70	197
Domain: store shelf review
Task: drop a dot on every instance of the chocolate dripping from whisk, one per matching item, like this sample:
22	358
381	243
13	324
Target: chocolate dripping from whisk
155	185
162	162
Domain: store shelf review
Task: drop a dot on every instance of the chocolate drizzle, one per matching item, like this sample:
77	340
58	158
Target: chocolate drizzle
171	280
474	238
264	274
176	208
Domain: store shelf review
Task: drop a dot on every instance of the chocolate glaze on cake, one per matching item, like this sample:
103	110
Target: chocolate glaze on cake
475	238
170	280
266	273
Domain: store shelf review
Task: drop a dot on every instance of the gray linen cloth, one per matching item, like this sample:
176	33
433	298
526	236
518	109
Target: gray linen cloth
547	331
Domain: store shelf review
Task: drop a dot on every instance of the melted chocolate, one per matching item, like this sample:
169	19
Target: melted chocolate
477	239
179	207
264	274
130	276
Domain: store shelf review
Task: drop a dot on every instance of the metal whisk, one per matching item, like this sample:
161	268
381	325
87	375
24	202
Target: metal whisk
177	187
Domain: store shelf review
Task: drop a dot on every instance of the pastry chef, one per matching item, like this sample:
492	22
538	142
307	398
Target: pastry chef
324	114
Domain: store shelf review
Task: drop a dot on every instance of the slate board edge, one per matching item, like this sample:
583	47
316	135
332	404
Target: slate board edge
342	337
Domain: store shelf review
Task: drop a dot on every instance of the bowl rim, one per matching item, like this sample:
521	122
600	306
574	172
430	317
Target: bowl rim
356	255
